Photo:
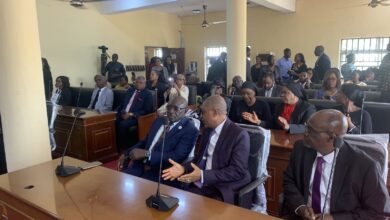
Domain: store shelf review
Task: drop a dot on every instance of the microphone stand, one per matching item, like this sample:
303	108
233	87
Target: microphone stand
62	170
158	201
330	180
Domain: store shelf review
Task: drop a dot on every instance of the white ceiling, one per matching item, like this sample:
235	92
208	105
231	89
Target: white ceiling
181	7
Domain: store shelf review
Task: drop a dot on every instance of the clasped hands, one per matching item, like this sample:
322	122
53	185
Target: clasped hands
176	171
126	115
307	213
135	154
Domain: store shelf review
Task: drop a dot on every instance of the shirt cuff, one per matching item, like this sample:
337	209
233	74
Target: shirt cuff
296	210
201	176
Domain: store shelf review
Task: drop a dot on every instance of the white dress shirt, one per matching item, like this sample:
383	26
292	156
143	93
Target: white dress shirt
131	101
211	147
157	137
326	173
268	93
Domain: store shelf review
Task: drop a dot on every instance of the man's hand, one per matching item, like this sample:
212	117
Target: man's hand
137	154
127	115
193	176
283	122
123	162
251	117
173	172
306	213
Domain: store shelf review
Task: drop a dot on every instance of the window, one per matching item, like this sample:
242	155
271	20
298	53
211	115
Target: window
158	52
211	53
369	52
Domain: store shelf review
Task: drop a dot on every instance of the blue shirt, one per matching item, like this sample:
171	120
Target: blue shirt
347	70
284	66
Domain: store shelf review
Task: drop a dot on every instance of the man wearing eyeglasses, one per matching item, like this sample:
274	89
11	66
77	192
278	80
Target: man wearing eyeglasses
328	178
143	159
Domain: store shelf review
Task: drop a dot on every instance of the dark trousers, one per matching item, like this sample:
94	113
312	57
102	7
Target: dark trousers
123	134
210	192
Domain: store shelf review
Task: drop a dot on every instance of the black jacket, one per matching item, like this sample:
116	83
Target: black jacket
322	65
358	190
303	110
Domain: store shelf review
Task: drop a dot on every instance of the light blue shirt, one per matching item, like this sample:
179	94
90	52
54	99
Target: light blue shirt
284	66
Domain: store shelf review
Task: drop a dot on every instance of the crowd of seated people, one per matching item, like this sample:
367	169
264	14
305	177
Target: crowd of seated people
220	166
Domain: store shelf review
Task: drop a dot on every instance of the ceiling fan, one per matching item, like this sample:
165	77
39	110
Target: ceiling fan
375	3
80	3
205	24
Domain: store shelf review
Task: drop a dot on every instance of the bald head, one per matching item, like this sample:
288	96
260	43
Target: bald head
213	111
215	102
323	130
330	120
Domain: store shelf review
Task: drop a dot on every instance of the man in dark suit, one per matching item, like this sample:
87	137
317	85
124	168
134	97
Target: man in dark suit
138	101
356	189
220	167
180	138
322	64
270	89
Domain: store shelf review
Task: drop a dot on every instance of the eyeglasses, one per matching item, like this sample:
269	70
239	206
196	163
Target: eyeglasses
174	107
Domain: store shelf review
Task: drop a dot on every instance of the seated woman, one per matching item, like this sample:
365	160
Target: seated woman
62	95
299	66
330	85
153	84
235	87
249	110
123	83
352	97
292	115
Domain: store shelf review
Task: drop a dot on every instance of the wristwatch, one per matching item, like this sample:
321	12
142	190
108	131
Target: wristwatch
147	154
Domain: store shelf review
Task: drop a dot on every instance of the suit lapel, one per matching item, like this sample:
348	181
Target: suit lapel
176	128
153	131
340	171
220	141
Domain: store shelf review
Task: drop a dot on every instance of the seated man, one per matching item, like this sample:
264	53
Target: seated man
220	167
270	89
138	101
357	190
102	96
180	139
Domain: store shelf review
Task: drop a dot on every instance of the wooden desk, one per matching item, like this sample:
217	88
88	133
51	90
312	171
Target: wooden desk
282	144
101	193
93	137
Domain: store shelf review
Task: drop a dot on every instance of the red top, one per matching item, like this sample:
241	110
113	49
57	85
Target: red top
287	111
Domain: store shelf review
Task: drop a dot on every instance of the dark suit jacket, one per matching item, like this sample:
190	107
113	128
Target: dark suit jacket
358	190
179	143
65	97
161	88
229	171
276	91
143	105
303	110
321	66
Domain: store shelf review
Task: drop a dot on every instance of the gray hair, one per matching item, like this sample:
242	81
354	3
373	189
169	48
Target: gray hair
215	102
140	78
100	76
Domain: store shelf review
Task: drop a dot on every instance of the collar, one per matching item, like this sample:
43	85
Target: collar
328	158
271	87
218	129
101	89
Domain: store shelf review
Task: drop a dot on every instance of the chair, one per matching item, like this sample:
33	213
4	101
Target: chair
259	151
375	146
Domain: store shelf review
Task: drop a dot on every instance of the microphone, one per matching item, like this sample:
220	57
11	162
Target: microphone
77	112
361	116
62	170
162	202
337	144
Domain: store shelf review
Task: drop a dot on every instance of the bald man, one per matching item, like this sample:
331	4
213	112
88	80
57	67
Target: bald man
357	190
102	96
220	167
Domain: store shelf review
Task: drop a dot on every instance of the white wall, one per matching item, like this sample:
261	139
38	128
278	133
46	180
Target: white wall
70	36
